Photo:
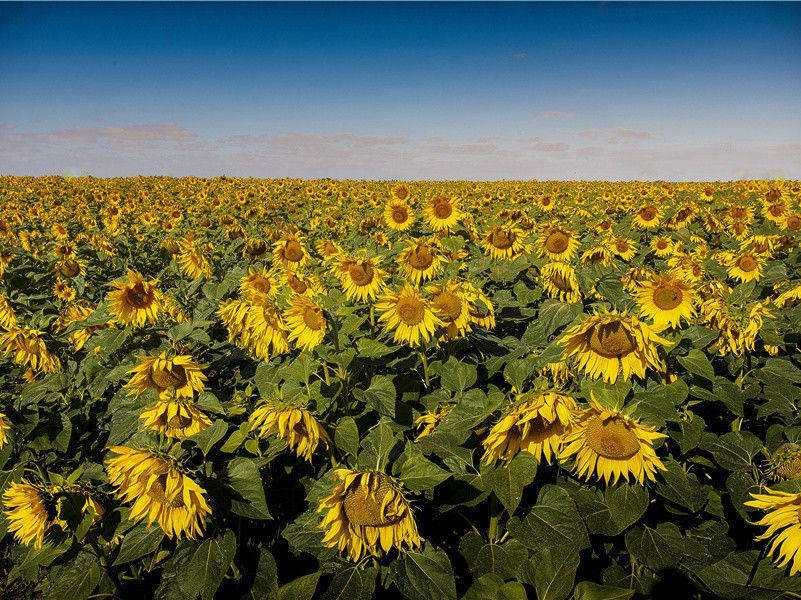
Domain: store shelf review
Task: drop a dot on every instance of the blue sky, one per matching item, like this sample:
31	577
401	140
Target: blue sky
415	91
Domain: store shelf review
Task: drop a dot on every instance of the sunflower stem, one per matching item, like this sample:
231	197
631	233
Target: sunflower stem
425	368
495	515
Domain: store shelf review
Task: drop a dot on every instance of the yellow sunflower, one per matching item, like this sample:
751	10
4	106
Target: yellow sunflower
4	429
290	253
304	285
597	255
294	424
409	315
504	243
26	512
162	373
257	285
428	422
557	243
420	261
647	217
135	301
789	297
367	513
481	310
175	417
27	349
450	304
306	322
535	423
361	278
265	332
159	490
613	345
666	300
746	266
398	216
442	212
783	521
8	318
662	246
609	445
191	259
560	281
61	289
623	248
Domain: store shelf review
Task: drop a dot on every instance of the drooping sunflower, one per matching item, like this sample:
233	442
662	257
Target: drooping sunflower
328	249
623	248
409	315
265	332
789	296
442	212
5	260
8	318
191	259
613	345
536	422
400	192
746	266
72	314
257	285
306	322
785	462
666	300
560	281
481	310
420	261
27	349
296	425
302	284
367	513
361	278
504	243
160	491
27	513
609	445
783	521
175	417
398	216
556	242
135	301
428	422
450	304
599	254
164	372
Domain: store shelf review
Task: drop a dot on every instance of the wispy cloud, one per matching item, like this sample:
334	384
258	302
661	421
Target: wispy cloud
617	135
520	55
550	115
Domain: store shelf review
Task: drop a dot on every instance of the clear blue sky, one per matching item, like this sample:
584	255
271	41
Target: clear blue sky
418	90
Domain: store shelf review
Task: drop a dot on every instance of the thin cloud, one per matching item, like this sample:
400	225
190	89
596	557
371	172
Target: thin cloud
520	56
617	135
550	115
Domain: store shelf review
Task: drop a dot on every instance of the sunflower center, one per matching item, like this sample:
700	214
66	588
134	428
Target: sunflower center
179	422
298	285
361	274
421	258
611	340
139	297
648	213
541	431
313	318
794	222
561	282
158	491
261	285
293	251
611	438
69	268
443	209
170	377
747	263
667	298
399	214
449	304
410	310
661	244
776	209
557	242
622	246
501	239
364	509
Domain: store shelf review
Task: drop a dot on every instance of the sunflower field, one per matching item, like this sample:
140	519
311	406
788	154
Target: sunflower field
287	389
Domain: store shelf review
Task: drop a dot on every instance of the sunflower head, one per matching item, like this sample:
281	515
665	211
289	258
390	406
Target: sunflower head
785	463
407	313
295	424
27	512
178	375
175	417
135	301
367	514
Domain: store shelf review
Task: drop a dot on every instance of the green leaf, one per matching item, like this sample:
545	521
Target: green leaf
508	481
419	473
587	590
265	584
554	572
424	574
659	548
244	477
380	396
301	588
72	583
346	436
457	376
210	436
734	451
553	522
138	542
697	363
492	587
681	488
353	583
208	566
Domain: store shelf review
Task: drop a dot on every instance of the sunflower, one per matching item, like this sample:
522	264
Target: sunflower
785	463
647	217
8	318
450	304
361	278
73	314
4	429
535	423
400	192
789	297
26	512
191	259
428	422
662	246
61	289
162	373
28	349
397	215
409	315
613	345
442	212
783	521
598	254
367	513
609	445
504	243
480	309
173	309
265	332
135	301
328	249
306	322
557	243
560	281
290	253
257	285
294	424
5	260
666	300
304	285
159	490
175	417
746	266
624	248
420	261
